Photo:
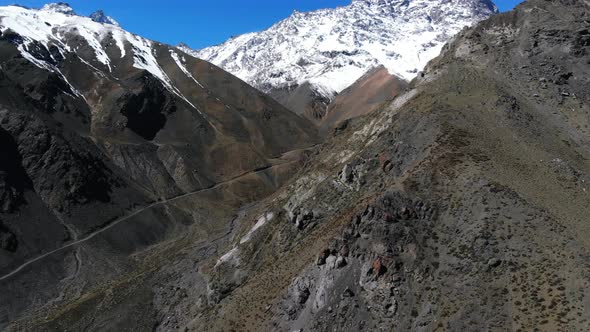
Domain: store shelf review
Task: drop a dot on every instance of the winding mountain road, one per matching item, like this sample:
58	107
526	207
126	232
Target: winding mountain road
127	217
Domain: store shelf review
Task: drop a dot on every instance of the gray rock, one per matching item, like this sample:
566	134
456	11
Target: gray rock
331	262
346	175
348	292
494	262
301	295
391	307
321	259
340	262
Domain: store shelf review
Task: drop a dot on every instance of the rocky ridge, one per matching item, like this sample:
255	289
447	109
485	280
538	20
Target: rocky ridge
460	206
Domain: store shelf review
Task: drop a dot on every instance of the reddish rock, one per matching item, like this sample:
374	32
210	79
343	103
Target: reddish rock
378	268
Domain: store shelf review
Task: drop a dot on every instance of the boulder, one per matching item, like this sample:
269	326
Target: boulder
324	254
378	268
494	262
303	219
346	174
344	250
340	262
331	262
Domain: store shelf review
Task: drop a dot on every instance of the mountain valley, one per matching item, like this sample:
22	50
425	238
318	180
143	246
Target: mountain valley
143	188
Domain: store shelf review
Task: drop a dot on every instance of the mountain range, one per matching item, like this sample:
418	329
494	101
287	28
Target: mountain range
323	177
461	205
111	141
314	56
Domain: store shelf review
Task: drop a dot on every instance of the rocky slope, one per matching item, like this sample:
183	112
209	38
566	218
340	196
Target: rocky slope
117	148
315	55
463	205
373	90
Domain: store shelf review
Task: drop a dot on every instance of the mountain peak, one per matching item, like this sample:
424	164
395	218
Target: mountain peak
330	49
59	7
481	5
377	2
182	45
100	17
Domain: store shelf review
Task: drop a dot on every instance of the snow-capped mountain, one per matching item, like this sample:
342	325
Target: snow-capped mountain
58	7
332	48
53	27
100	17
121	88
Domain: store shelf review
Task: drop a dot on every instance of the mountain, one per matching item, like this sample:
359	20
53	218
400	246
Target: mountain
318	54
463	205
100	17
58	7
374	89
118	152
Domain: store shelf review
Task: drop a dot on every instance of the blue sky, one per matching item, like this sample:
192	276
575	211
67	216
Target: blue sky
200	23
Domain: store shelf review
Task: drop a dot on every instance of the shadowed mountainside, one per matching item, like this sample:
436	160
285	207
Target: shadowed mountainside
109	142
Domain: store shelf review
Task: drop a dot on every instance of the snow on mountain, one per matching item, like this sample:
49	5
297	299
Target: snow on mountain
59	7
100	17
53	26
332	48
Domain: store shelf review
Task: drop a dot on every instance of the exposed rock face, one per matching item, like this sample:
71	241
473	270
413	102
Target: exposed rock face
100	17
471	207
147	109
303	100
